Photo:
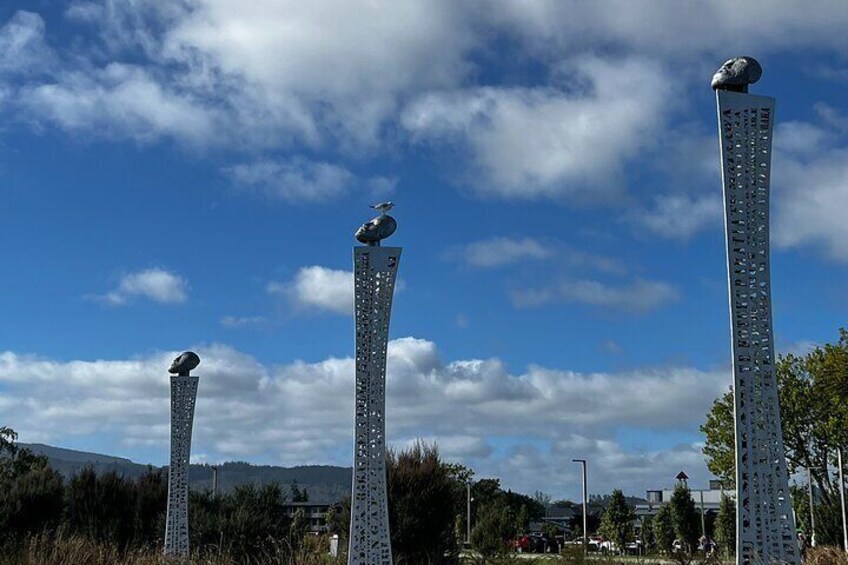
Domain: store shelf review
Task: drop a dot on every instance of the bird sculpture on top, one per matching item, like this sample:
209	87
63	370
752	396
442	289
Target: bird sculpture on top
383	207
378	229
736	74
184	364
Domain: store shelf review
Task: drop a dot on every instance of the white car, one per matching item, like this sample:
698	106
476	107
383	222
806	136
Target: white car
608	547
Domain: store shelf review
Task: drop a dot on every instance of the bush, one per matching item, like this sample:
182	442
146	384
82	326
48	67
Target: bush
494	529
422	496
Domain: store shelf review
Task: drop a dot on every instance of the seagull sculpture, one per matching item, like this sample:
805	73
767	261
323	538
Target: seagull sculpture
383	207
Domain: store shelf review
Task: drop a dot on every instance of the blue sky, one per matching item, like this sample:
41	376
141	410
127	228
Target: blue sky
189	175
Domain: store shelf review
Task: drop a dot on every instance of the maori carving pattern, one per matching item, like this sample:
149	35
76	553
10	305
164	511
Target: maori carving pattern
375	270
765	524
183	396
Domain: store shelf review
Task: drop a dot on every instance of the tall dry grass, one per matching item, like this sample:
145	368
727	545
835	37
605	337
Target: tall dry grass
49	550
826	556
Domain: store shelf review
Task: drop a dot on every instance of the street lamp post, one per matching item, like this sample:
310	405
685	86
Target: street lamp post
468	513
812	508
585	506
842	499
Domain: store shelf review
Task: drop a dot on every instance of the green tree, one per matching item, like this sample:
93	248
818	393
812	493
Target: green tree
30	492
493	530
684	517
649	540
101	507
150	502
299	494
663	526
617	521
814	415
522	519
422	500
725	527
338	518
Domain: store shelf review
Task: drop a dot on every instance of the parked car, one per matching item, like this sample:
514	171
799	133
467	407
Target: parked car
608	547
633	547
521	544
594	544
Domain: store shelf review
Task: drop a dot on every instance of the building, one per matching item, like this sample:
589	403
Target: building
706	500
314	512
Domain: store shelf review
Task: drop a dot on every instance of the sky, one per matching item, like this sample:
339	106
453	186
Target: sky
189	174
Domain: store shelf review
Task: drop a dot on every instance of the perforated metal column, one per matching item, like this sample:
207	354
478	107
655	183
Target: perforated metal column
765	523
183	396
375	271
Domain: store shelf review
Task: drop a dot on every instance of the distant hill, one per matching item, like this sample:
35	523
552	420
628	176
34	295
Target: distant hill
324	483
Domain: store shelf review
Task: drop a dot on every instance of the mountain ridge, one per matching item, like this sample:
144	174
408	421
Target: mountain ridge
324	483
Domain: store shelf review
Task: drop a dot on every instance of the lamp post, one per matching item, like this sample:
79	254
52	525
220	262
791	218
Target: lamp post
585	506
842	499
812	508
468	513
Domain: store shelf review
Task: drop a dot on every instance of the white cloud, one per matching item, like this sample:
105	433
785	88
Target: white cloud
22	48
680	216
154	284
242	321
382	185
499	251
296	180
549	142
283	414
641	296
122	101
319	288
673	29
810	186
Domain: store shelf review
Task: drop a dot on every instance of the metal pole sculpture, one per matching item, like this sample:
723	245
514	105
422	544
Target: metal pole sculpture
183	396
765	522
375	271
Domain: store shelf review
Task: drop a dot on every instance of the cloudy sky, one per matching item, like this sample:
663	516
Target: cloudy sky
189	173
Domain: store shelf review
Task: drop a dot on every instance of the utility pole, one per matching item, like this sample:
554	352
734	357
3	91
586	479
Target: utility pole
703	523
842	499
812	508
214	480
585	506
468	513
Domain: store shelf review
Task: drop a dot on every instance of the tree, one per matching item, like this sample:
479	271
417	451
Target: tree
813	389
102	507
617	521
522	519
684	517
422	500
150	503
725	527
30	492
299	494
649	540
494	529
663	526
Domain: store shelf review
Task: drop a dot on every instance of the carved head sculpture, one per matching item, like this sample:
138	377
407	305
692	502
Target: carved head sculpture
184	364
378	229
736	74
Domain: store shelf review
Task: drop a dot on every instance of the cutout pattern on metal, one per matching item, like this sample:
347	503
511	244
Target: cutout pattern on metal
183	396
375	272
765	522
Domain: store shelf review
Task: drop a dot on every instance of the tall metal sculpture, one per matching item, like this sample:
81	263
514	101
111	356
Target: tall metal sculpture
375	272
765	523
183	396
